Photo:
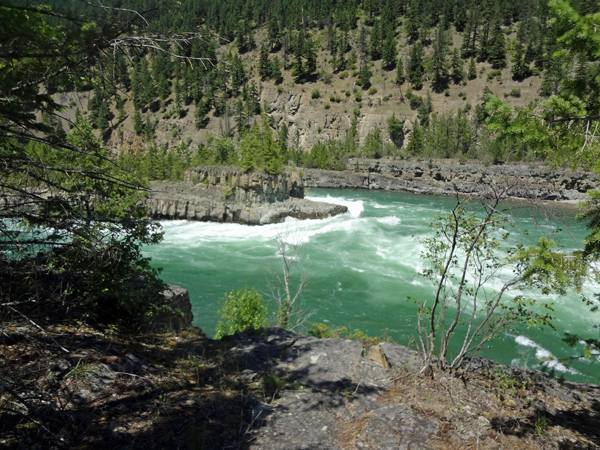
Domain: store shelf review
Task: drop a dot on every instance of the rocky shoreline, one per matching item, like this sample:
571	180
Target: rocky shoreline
449	177
227	194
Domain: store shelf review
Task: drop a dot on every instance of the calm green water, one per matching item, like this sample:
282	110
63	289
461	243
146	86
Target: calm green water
362	266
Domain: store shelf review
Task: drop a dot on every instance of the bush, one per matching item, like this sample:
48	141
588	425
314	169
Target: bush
373	90
240	310
325	77
358	96
315	93
326	106
344	75
347	93
447	92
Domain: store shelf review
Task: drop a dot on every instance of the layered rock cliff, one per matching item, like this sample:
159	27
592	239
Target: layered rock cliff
448	177
227	194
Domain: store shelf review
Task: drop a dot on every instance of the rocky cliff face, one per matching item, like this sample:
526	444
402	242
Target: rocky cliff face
449	177
226	194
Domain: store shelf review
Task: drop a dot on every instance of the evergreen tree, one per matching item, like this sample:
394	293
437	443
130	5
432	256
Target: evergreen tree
363	47
240	116
396	130
275	70
415	144
365	77
274	34
138	124
438	58
496	53
263	61
552	76
375	41
472	72
238	73
413	20
389	51
425	110
520	69
458	74
415	66
399	73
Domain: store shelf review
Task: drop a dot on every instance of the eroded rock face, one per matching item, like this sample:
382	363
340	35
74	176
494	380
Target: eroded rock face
227	194
450	177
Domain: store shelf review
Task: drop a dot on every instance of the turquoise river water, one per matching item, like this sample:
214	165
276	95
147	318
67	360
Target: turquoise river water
362	266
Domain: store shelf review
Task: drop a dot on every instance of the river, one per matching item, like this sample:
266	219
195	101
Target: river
362	266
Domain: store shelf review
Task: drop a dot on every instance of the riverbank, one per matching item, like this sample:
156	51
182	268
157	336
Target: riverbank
81	387
451	177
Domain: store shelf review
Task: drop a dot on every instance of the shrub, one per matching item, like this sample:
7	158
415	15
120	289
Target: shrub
326	106
358	96
373	90
447	92
347	93
315	93
325	77
241	309
344	75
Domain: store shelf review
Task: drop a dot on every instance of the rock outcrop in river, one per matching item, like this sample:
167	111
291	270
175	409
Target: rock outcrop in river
448	177
227	194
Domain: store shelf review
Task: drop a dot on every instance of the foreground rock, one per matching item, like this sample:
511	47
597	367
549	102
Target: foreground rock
333	396
448	177
226	194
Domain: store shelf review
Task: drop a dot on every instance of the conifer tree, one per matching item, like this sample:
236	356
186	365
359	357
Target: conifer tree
438	58
274	34
458	74
263	61
138	124
363	46
399	73
365	76
415	144
275	70
389	51
472	72
496	53
415	66
375	41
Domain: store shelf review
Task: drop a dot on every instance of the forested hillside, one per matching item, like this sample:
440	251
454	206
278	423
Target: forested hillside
368	78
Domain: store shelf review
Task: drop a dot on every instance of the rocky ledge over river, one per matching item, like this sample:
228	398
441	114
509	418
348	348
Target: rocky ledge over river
448	177
227	194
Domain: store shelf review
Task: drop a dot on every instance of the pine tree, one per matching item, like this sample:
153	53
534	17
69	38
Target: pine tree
399	73
415	66
496	53
275	70
458	74
440	50
389	51
363	47
425	110
520	69
415	144
138	124
365	76
396	130
274	34
472	72
263	61
375	41
552	76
